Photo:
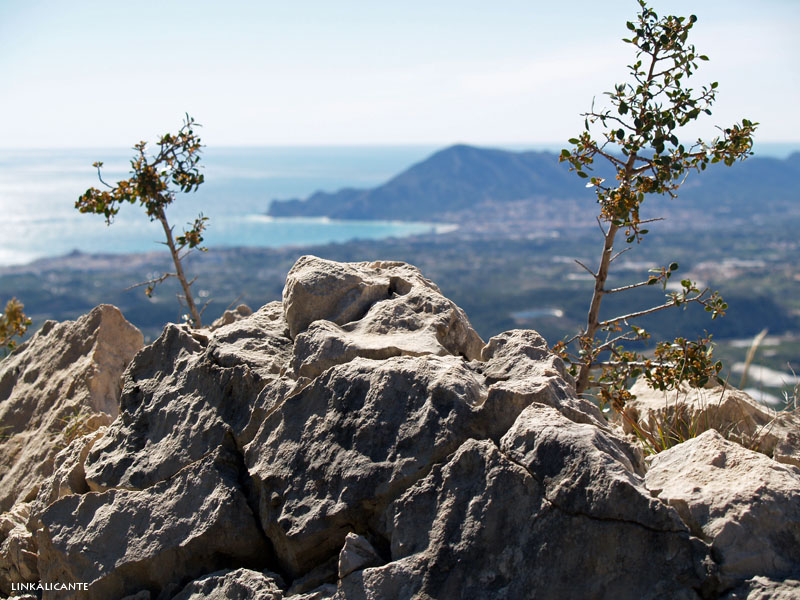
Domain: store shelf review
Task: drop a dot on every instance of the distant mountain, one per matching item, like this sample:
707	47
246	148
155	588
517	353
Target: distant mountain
459	178
451	180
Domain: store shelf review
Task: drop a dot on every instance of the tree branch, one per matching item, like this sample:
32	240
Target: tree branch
625	288
641	313
588	270
606	345
618	254
155	281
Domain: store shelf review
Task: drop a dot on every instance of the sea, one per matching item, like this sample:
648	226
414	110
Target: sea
38	190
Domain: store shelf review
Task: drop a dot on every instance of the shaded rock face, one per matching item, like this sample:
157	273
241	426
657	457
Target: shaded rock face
360	433
359	441
184	393
553	500
122	541
66	377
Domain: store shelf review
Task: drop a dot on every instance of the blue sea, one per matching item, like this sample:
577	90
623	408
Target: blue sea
38	189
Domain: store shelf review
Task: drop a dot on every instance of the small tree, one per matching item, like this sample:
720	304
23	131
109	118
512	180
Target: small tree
154	184
639	140
13	323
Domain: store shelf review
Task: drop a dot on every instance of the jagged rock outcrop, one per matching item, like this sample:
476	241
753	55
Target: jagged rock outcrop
66	377
563	499
231	316
764	588
200	386
18	554
376	310
359	441
61	384
241	584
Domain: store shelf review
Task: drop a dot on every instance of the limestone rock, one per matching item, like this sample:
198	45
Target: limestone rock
357	553
231	316
202	386
519	369
728	410
69	476
121	541
585	470
17	549
374	310
741	502
309	585
481	526
764	588
62	382
239	584
338	450
358	441
323	592
141	595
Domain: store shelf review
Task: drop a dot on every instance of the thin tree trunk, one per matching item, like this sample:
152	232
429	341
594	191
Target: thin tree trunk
187	293
593	320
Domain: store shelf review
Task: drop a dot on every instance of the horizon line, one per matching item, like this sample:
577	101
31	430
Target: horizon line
225	146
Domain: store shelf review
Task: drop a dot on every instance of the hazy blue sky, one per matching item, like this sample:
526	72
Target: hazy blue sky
102	73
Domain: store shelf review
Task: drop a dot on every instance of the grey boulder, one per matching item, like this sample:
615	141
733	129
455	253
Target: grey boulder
726	409
745	505
239	584
120	541
554	511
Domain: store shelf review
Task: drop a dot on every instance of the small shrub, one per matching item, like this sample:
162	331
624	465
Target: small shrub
639	139
154	184
13	323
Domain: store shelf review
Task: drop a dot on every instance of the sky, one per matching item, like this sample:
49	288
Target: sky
89	73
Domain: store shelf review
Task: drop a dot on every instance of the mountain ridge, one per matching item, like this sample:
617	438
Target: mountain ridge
450	180
459	178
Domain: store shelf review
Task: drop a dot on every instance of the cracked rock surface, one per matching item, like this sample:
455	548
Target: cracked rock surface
358	440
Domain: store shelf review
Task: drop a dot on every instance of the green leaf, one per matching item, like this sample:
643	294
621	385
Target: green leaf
673	267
